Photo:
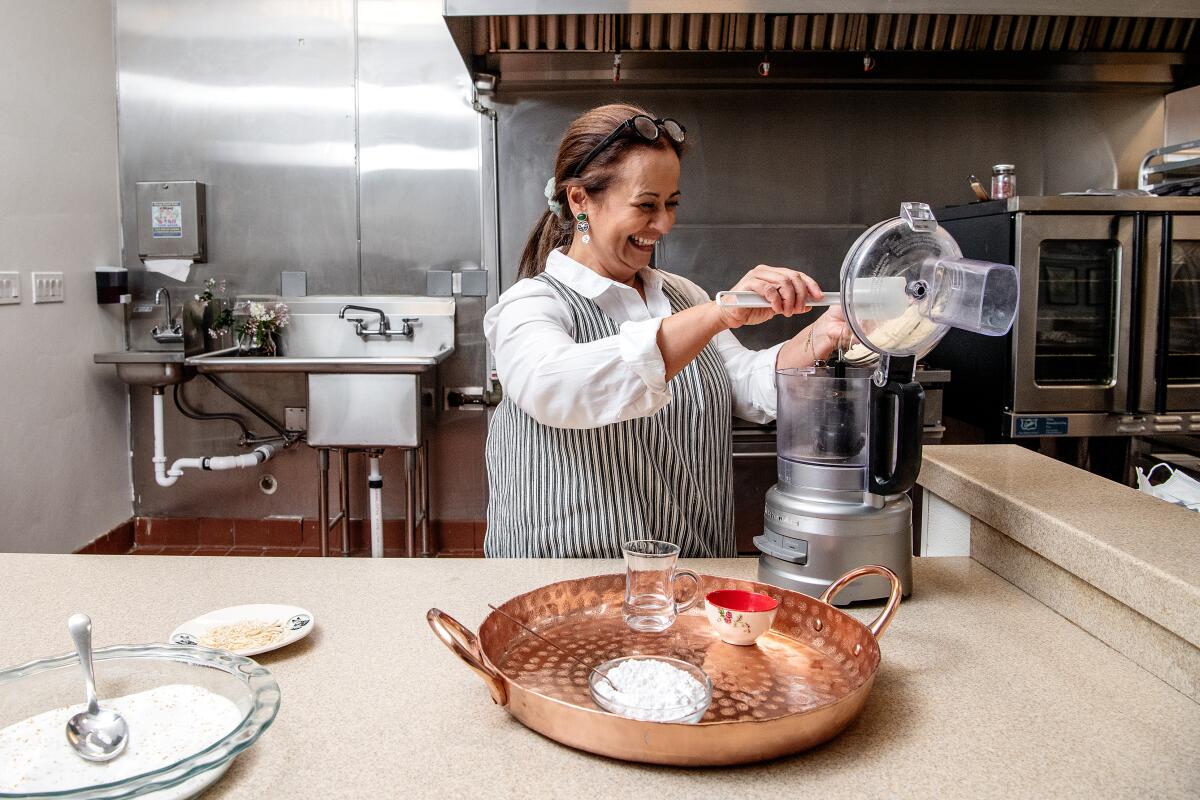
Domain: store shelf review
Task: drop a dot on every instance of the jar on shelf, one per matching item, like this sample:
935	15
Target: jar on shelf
1004	181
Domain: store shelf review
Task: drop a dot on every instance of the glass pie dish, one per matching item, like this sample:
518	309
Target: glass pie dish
689	713
28	690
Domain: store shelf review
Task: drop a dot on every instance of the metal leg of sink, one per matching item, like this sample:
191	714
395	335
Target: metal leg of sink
323	497
423	469
410	502
344	490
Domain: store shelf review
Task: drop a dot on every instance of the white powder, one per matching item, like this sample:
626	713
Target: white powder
166	724
651	690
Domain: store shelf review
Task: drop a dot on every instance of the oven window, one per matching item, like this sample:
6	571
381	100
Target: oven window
1183	351
1075	342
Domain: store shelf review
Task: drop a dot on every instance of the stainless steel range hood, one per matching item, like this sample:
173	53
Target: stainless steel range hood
1101	44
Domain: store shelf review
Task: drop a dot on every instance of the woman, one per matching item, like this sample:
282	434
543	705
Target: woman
620	380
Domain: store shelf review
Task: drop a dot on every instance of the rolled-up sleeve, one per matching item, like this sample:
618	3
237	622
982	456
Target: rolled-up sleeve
568	384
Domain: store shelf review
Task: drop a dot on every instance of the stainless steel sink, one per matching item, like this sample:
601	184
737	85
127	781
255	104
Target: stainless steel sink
350	404
148	367
316	340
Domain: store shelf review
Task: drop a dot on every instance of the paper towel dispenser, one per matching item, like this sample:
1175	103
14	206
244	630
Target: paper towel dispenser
171	220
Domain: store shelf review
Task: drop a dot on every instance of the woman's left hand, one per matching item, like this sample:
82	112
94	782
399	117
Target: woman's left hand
830	330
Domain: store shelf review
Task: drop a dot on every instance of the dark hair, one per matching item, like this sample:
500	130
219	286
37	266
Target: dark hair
553	231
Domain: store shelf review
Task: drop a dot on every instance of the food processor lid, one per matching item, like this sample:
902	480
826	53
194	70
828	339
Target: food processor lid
886	277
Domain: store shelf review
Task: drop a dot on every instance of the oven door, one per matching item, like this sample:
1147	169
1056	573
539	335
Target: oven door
1172	333
1071	338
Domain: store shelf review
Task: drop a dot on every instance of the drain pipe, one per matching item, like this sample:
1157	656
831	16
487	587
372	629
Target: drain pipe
167	477
375	483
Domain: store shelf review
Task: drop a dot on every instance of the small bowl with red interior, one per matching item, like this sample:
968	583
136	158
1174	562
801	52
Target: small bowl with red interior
740	617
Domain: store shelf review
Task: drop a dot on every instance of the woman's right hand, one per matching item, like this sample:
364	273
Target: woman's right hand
787	290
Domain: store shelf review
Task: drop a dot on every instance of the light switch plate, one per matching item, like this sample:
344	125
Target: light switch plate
10	287
47	287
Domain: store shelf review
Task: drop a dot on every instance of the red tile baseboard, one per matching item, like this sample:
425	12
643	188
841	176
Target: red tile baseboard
285	536
117	541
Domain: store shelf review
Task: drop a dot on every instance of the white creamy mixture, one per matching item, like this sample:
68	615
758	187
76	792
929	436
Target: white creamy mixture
901	333
166	725
655	689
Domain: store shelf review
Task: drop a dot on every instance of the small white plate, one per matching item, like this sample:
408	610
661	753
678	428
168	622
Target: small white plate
297	623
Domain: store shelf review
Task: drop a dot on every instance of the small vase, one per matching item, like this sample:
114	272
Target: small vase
264	344
199	316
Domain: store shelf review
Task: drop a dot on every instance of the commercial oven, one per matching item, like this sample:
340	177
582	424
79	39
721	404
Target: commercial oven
1107	338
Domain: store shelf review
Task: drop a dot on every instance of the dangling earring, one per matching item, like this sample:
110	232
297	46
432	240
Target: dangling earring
583	227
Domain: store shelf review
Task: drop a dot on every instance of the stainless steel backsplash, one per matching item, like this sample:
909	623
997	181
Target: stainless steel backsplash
336	138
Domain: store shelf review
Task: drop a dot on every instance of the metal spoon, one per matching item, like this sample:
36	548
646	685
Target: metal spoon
96	734
527	629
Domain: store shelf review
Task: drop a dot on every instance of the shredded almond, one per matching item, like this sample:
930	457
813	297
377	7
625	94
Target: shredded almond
242	635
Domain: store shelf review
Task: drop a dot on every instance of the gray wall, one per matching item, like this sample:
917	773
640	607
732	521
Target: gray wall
789	177
64	470
335	137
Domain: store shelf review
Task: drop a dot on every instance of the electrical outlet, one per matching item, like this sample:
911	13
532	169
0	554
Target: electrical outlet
47	287
10	287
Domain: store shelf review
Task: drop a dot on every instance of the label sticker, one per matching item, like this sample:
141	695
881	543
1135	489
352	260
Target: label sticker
1040	426
166	219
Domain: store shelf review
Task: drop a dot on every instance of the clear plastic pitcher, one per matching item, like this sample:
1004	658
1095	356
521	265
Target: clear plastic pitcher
823	415
972	295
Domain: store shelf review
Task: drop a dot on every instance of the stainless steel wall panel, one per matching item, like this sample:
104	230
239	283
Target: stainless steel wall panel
257	101
419	139
421	206
272	104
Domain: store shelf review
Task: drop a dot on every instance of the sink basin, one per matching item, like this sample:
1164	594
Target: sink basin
317	341
148	367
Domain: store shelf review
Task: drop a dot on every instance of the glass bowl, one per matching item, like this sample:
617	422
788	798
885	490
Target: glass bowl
39	686
689	713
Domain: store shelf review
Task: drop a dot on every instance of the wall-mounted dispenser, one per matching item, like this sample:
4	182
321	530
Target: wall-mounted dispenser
171	225
112	285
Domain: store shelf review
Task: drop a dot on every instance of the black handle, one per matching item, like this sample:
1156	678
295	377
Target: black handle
897	420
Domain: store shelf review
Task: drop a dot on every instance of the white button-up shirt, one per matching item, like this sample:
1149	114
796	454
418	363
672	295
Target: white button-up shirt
568	384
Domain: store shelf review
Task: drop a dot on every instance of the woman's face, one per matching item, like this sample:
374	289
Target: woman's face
633	214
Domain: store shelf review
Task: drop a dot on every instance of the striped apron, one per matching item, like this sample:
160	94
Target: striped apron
580	493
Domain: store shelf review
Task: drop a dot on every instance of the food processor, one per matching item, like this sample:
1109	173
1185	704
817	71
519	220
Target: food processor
849	430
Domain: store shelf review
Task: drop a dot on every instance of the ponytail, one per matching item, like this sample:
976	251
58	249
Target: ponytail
550	233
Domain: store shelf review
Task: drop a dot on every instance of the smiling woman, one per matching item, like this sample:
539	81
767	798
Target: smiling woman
621	379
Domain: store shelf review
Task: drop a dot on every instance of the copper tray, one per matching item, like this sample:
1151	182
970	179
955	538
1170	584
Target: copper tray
799	685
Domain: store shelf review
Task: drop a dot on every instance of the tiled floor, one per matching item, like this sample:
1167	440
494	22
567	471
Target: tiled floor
282	551
275	536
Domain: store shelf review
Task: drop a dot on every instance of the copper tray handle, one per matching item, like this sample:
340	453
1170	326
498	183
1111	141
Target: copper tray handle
465	645
885	617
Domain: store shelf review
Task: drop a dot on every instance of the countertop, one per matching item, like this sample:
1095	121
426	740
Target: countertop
1136	548
983	691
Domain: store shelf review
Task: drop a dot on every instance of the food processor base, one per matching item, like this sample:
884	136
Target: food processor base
830	556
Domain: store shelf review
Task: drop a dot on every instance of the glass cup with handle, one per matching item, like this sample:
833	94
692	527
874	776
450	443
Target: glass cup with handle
650	576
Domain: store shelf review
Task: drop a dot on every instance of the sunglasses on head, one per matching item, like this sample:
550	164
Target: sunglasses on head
644	127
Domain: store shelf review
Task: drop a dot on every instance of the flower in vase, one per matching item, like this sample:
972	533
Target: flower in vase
263	321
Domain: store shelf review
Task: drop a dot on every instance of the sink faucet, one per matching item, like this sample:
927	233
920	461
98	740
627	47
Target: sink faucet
172	332
384	330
